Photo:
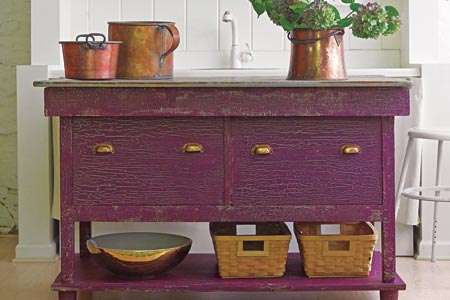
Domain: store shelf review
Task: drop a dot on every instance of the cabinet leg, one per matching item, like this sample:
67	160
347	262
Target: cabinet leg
388	295
388	250
85	234
67	250
67	295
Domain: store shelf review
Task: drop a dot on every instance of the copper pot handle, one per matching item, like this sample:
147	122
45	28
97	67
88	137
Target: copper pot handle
91	42
338	31
175	42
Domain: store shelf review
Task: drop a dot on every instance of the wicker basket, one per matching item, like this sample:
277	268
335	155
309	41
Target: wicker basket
251	256
348	254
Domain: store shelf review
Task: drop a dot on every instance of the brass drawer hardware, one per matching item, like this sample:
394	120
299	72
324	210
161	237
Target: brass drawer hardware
351	149
193	148
103	149
262	150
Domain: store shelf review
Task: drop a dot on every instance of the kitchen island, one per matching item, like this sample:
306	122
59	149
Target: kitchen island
226	149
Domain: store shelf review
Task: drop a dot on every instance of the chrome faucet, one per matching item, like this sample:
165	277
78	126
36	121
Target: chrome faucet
237	57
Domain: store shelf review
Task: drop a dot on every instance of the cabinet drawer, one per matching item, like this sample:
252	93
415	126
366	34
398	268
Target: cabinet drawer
306	166
149	165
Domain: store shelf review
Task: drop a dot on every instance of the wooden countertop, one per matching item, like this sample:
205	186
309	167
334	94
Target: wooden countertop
238	82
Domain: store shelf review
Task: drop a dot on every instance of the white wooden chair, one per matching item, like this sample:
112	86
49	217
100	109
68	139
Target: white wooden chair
436	193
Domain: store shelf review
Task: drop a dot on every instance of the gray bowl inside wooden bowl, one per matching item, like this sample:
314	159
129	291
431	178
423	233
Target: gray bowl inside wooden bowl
136	255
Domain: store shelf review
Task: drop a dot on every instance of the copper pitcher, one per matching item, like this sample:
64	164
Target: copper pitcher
317	55
147	50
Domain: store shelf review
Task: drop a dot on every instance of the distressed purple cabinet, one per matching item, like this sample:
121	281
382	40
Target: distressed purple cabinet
264	149
148	166
307	166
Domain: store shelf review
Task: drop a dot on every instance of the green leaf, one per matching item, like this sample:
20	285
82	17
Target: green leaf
337	15
391	11
259	6
344	22
286	24
299	8
348	1
355	6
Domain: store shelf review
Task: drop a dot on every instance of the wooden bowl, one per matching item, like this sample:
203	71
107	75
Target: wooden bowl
137	255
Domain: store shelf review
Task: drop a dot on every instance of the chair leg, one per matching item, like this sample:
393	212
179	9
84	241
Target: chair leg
433	242
436	204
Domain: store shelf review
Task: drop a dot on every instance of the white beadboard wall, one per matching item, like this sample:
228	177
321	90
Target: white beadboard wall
206	40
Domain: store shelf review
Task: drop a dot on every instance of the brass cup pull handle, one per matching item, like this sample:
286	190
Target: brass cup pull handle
351	149
193	148
103	149
262	150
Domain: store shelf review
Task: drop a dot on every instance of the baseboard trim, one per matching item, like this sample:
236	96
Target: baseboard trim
36	253
424	250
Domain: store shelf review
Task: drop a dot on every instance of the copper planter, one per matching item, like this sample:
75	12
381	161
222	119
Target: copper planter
90	58
147	51
317	55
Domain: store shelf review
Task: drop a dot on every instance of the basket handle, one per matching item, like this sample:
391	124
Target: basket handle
245	250
338	248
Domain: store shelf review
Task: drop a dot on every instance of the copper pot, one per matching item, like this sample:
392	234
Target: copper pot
90	58
317	55
147	51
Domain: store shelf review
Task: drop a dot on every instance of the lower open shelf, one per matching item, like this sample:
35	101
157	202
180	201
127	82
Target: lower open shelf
198	273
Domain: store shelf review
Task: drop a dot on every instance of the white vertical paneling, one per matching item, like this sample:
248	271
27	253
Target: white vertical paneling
101	12
45	24
241	11
137	10
175	11
266	35
364	44
74	18
202	25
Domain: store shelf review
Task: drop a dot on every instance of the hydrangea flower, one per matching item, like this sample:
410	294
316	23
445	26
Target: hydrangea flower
371	21
365	20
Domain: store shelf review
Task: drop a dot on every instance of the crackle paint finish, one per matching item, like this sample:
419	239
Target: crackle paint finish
146	176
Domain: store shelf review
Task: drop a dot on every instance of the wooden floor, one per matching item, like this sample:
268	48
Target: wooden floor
31	281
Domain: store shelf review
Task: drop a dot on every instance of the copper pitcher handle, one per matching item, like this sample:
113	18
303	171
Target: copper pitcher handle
175	42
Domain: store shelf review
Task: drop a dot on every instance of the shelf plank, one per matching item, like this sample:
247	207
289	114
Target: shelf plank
198	273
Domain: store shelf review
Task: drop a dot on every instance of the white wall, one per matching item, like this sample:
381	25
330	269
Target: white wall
205	39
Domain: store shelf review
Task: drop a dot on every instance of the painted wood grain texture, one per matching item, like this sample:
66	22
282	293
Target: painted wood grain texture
388	226
67	219
273	213
148	166
306	166
198	272
226	101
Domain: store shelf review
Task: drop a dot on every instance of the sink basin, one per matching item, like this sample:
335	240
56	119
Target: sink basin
230	72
